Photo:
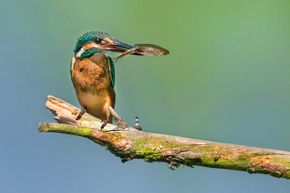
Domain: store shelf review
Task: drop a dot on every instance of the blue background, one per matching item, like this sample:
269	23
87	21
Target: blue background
226	79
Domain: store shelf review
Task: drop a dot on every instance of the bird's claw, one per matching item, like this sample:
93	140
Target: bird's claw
104	124
81	113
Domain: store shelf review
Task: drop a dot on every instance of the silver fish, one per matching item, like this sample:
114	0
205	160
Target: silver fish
144	49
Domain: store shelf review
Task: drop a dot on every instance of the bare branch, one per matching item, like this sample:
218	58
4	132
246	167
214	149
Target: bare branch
130	143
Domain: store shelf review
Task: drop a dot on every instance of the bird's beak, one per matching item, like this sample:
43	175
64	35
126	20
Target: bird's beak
116	46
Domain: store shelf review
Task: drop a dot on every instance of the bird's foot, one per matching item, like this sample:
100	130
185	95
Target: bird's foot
104	124
82	112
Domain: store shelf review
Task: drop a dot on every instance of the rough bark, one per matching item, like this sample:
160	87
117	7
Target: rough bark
130	143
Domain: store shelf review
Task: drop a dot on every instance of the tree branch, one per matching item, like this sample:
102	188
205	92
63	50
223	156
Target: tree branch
130	143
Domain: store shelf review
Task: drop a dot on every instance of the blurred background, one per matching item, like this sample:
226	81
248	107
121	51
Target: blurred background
226	79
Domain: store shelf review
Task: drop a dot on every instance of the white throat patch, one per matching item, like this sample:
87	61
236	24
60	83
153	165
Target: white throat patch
82	50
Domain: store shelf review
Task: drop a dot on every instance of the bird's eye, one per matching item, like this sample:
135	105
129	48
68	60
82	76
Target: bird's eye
97	40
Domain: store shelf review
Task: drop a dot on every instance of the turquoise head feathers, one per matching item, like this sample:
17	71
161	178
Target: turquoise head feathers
87	44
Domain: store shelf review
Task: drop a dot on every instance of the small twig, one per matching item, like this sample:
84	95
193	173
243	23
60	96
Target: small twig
137	126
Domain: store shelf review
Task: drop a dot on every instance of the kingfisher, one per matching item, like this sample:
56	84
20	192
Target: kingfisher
93	73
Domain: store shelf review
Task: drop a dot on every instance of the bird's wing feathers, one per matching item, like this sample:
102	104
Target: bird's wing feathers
112	70
71	66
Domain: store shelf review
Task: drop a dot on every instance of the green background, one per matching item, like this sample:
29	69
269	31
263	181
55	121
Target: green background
226	79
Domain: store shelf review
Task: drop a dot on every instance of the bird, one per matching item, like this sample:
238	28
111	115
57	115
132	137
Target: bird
93	73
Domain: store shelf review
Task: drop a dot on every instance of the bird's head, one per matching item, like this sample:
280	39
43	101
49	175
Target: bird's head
95	42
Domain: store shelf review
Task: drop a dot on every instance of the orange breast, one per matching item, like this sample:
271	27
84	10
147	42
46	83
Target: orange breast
91	79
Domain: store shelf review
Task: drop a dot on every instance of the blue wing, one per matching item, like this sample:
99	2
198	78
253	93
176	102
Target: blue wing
70	69
112	71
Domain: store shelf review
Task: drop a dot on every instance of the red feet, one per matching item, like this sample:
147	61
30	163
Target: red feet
82	112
